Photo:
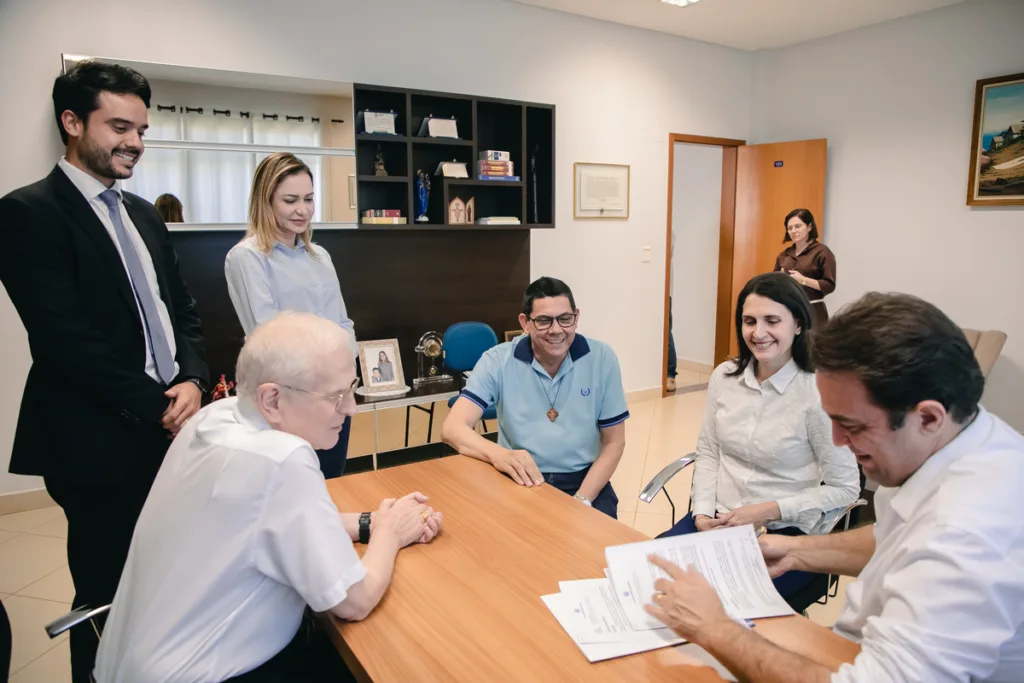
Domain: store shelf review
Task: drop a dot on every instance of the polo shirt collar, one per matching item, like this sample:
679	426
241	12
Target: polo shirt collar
524	349
523	352
780	380
915	490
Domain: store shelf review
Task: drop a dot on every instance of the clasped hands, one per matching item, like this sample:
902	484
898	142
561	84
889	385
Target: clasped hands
758	515
408	518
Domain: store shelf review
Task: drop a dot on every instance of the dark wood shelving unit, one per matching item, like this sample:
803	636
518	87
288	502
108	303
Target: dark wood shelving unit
380	137
484	123
471	182
450	142
382	179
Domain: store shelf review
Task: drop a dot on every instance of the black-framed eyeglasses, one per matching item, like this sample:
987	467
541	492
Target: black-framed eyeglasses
338	399
543	322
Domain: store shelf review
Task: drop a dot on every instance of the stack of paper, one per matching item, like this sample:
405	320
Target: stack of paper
593	616
606	617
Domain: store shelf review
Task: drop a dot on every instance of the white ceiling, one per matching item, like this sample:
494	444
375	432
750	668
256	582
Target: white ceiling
746	24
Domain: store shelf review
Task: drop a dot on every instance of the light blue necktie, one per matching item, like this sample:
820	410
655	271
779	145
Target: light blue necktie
158	344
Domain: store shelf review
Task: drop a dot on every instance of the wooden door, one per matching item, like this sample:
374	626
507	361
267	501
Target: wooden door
771	180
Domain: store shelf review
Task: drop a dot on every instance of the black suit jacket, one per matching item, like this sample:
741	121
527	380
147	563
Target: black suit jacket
89	412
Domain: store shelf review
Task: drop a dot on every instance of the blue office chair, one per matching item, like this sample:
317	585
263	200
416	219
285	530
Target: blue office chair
464	343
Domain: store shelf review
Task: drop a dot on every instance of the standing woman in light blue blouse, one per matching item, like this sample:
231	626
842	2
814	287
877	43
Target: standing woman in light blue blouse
277	267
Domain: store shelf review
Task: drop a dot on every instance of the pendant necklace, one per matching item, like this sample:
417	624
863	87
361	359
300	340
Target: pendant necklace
552	413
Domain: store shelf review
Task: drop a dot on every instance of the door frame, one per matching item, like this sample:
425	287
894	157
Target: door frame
726	230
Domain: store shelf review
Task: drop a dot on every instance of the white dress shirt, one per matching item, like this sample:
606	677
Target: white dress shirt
92	189
942	599
237	535
771	441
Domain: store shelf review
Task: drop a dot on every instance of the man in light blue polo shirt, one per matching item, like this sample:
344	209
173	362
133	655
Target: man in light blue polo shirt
561	407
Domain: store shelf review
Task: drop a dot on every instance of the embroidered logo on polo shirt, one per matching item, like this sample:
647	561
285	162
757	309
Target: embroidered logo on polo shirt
585	392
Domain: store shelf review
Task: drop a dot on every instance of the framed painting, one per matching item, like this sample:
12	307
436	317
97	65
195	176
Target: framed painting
997	145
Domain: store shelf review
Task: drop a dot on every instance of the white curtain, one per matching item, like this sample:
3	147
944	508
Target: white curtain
162	170
293	134
219	182
214	186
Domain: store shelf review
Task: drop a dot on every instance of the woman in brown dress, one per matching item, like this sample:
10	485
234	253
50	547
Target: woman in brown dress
808	261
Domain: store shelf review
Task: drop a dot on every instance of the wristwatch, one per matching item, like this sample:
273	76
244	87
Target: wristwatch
364	527
584	500
199	384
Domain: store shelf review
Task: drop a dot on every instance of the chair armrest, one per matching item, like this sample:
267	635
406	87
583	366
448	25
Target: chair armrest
74	618
860	502
661	478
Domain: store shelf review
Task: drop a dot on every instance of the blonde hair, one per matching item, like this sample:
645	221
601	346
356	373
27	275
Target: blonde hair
262	222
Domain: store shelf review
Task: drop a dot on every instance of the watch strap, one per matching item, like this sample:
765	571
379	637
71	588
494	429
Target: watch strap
364	527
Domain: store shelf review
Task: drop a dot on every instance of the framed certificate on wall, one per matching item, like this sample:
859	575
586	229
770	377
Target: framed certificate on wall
600	190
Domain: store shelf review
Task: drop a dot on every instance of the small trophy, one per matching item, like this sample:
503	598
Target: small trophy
378	164
430	351
422	196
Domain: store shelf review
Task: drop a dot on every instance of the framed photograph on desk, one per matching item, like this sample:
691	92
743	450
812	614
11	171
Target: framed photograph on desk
381	366
600	190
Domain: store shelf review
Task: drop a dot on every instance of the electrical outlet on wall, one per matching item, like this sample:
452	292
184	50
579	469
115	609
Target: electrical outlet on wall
645	254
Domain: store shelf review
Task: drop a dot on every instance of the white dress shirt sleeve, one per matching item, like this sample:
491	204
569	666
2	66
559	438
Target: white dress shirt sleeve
705	473
302	542
249	288
950	604
838	472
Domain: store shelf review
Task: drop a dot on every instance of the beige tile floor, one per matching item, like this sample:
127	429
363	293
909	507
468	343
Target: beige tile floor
36	587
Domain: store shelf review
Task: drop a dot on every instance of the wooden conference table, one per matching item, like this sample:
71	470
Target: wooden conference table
467	607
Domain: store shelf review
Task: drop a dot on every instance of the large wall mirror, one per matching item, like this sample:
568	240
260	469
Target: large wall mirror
210	128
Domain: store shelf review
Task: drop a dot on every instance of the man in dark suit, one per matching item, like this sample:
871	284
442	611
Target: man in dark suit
118	363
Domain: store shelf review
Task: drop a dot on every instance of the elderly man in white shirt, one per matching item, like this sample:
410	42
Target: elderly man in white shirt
239	532
940	590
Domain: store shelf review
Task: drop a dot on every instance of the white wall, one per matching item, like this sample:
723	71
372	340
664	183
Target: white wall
619	91
696	216
895	102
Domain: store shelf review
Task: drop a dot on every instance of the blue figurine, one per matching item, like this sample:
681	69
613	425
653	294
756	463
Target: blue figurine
422	196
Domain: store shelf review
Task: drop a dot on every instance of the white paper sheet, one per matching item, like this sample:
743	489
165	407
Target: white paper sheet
566	607
599	617
730	559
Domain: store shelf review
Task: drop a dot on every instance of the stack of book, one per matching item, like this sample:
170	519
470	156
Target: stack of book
496	165
498	220
383	217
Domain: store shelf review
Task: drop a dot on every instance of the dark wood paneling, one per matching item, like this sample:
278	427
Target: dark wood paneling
396	284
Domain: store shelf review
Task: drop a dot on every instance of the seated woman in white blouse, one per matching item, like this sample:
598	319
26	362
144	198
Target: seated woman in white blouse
765	454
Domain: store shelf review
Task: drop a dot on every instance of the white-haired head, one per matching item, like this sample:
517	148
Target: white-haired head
288	369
